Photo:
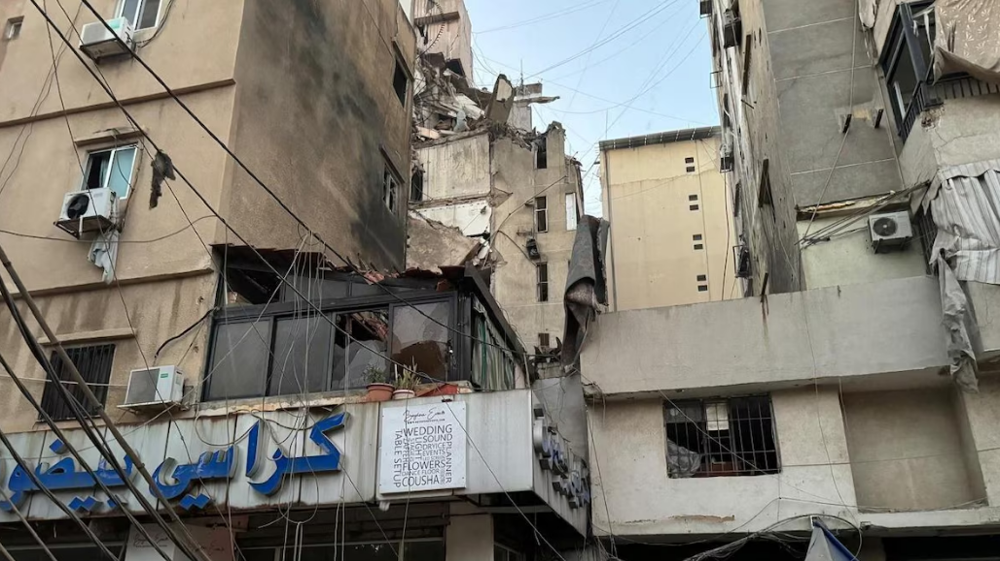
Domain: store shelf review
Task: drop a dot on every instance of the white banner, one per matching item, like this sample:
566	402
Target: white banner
423	448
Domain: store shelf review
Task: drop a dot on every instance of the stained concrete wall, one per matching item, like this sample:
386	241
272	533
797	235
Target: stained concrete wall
961	131
856	331
156	311
632	486
443	26
906	451
457	166
514	280
341	122
472	218
647	199
849	258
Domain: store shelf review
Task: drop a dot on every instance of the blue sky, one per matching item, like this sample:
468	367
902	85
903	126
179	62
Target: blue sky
620	67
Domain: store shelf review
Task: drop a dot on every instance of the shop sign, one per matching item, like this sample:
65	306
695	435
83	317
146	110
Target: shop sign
570	476
423	448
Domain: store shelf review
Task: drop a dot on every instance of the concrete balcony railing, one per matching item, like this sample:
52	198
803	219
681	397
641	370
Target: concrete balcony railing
851	332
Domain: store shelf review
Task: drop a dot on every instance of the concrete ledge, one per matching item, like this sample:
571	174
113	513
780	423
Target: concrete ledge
891	326
90	336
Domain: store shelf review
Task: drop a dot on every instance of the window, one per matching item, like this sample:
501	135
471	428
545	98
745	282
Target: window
737	199
698	246
111	169
702	288
390	187
541	214
142	14
906	59
543	340
717	438
688	160
693	207
692	197
690	169
764	196
94	363
421	342
702	278
696	237
400	81
12	30
542	272
417	186
570	211
501	553
541	153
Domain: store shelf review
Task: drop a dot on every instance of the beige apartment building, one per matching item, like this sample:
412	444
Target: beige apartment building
262	343
671	237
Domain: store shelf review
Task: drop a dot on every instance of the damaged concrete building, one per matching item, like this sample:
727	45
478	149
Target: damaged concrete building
483	170
858	381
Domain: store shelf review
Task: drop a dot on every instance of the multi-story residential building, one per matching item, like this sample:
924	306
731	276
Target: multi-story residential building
205	347
851	386
673	230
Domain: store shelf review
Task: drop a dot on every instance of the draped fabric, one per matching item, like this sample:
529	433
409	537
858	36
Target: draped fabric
967	38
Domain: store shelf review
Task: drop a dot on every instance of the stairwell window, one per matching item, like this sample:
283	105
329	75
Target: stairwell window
541	214
142	14
94	364
390	187
12	30
542	272
111	169
721	438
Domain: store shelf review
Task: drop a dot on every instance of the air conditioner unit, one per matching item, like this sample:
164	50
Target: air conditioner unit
90	210
154	388
726	159
890	230
732	28
705	7
98	43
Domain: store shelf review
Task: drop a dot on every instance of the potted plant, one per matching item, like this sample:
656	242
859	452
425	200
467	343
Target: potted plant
379	388
406	384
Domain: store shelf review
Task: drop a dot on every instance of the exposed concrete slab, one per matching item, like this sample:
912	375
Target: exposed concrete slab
811	115
825	47
848	182
784	14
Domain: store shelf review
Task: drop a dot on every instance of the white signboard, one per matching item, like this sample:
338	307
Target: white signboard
423	448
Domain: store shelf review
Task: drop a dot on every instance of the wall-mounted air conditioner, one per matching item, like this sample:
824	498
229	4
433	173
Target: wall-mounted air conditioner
98	43
726	160
732	27
89	210
155	387
890	230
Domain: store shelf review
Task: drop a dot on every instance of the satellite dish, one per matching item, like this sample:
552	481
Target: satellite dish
885	226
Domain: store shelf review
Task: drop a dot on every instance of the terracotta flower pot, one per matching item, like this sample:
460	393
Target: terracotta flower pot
403	394
379	392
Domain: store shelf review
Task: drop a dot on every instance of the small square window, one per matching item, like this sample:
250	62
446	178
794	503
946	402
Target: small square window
692	197
702	288
690	169
543	340
696	237
688	160
702	278
12	30
699	246
693	207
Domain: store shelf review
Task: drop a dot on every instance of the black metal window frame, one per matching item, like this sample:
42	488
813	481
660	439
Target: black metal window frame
541	214
723	437
273	312
542	281
903	40
94	362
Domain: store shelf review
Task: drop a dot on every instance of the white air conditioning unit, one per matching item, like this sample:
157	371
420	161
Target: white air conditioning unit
890	230
90	210
98	43
154	387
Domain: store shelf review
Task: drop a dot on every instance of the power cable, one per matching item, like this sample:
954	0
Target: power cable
27	526
252	175
543	17
101	445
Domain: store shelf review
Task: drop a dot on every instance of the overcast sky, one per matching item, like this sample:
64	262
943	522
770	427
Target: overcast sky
620	67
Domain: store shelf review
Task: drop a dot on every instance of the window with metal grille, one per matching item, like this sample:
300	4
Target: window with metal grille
693	207
692	197
94	363
721	437
696	237
699	246
543	340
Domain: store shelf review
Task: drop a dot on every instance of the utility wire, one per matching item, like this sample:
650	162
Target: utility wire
27	526
254	176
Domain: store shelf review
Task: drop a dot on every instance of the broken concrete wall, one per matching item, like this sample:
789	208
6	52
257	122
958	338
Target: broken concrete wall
472	218
432	245
456	166
443	27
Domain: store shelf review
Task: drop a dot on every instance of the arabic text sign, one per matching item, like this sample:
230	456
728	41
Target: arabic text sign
423	448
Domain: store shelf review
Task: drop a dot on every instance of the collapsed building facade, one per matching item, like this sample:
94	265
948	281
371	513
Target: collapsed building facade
482	170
